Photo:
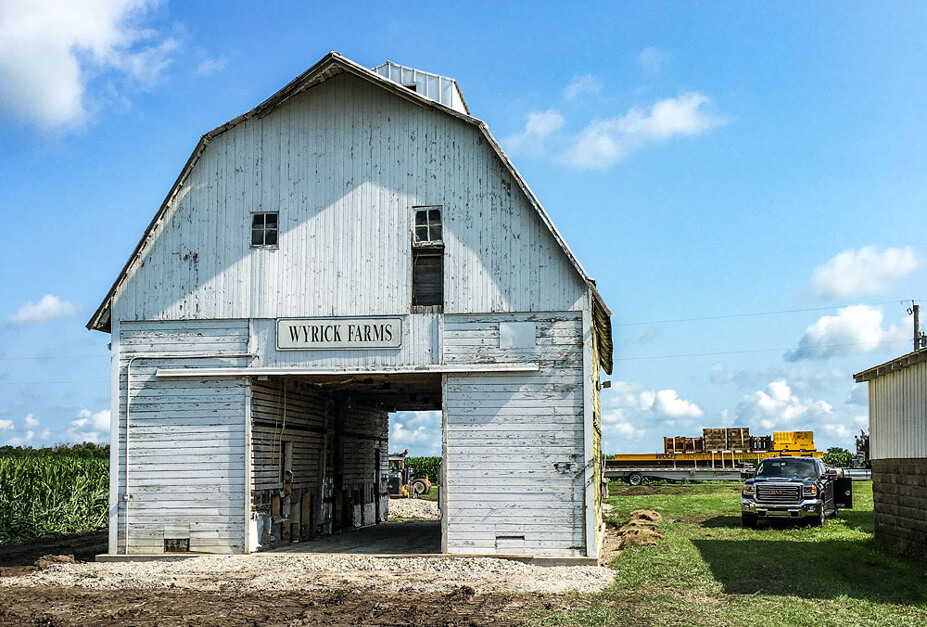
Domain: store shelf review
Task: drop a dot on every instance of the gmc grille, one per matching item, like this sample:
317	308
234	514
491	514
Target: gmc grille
778	493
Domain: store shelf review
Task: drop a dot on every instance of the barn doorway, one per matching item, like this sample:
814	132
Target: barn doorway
319	461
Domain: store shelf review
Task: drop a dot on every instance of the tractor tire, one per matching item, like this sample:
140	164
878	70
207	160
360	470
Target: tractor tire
419	486
748	521
635	478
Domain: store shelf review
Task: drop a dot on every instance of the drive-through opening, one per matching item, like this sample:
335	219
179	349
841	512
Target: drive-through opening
319	460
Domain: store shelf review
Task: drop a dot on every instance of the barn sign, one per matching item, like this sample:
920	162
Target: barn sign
338	333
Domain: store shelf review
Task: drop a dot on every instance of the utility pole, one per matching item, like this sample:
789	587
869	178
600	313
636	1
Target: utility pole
920	341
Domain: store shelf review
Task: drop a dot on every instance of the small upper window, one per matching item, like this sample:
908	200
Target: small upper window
264	229
428	225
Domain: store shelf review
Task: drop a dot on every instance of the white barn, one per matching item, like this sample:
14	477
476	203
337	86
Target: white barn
356	244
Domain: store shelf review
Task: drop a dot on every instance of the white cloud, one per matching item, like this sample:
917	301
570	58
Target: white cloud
631	409
419	431
653	59
669	404
209	66
855	329
778	407
719	374
90	426
6	424
23	440
868	270
50	50
605	142
31	421
538	127
838	430
862	422
48	309
581	86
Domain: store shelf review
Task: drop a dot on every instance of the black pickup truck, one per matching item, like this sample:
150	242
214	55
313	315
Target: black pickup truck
795	488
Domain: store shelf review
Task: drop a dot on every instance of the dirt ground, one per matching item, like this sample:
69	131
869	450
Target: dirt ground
18	559
50	606
32	596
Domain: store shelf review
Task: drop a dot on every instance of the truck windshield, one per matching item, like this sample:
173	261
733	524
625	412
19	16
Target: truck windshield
801	468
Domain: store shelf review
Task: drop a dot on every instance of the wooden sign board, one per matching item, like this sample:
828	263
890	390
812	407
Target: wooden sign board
338	333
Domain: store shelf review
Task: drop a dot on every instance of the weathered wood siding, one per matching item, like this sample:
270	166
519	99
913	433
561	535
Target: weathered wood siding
186	449
420	346
344	163
363	432
514	443
334	443
285	411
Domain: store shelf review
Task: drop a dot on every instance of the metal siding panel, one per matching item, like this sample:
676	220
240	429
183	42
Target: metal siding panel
898	413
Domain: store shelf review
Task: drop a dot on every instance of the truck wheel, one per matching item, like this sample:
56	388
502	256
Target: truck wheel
419	486
822	516
748	521
635	478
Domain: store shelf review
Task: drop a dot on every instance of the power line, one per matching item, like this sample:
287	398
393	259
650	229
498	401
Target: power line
37	357
756	350
756	313
47	382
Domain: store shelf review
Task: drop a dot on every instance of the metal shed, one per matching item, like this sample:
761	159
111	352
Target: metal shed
353	246
898	448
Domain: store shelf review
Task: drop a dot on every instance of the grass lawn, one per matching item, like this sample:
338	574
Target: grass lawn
710	571
432	495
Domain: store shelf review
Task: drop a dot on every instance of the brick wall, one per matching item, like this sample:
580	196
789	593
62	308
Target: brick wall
899	490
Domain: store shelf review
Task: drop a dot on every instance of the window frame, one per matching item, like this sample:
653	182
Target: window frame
427	210
264	229
427	248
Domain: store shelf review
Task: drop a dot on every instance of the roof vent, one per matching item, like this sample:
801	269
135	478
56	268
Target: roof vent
438	88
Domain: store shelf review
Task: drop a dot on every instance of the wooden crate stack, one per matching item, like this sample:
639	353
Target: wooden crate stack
682	444
730	439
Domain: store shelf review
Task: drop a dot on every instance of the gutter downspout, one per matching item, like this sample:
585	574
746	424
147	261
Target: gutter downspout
126	497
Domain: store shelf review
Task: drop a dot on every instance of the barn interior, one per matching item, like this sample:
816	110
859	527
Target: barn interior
319	457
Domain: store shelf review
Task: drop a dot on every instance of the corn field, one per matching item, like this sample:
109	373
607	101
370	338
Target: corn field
46	496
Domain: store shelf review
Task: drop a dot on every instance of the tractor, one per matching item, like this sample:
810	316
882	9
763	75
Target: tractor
402	482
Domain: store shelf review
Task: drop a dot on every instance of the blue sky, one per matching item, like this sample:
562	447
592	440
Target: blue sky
746	182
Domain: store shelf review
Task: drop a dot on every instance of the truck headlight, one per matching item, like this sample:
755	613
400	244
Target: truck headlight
811	490
749	490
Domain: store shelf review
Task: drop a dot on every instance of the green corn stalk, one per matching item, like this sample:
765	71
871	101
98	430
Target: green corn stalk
51	495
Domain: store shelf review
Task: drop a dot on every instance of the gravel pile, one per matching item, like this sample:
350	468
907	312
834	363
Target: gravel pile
354	573
414	508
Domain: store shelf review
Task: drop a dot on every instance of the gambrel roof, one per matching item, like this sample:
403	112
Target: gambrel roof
329	66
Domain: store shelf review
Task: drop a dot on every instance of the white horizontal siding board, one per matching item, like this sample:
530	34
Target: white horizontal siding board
504	436
185	439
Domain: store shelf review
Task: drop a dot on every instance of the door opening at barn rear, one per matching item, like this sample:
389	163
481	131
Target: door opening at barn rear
320	450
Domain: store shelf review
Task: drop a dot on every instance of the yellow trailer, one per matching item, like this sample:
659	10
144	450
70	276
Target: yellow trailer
717	466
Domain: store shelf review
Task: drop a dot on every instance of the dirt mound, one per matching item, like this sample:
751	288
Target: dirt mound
640	529
644	536
47	560
645	517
